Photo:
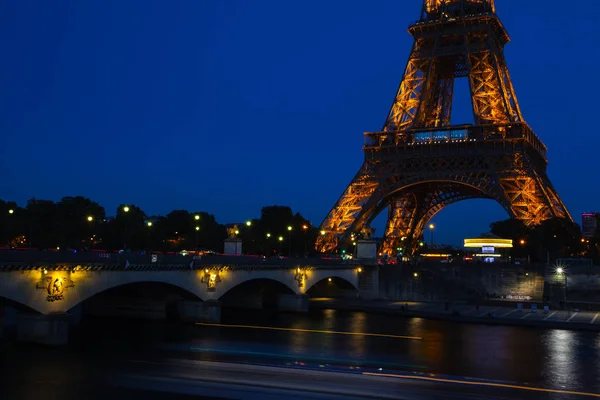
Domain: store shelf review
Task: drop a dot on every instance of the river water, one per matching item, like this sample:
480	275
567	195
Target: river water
550	358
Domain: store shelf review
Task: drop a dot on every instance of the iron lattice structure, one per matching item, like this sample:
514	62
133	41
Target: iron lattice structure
418	163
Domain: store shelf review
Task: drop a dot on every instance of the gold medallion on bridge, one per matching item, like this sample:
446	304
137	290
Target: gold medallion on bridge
55	286
211	279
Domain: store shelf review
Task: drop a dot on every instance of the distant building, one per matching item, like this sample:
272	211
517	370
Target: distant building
487	248
589	224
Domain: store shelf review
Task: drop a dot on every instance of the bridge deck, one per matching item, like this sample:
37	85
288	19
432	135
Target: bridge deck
27	260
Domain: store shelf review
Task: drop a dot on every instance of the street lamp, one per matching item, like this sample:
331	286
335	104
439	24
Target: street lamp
125	210
248	223
267	248
10	212
431	228
90	219
289	228
280	242
305	228
149	225
196	217
561	271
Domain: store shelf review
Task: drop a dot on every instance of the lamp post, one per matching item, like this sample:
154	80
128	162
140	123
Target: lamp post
125	210
289	228
267	242
9	225
305	228
561	271
280	241
431	228
90	220
149	225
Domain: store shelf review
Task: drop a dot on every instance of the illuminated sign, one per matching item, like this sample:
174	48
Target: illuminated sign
506	243
487	249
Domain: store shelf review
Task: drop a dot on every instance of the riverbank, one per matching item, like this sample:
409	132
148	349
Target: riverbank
505	314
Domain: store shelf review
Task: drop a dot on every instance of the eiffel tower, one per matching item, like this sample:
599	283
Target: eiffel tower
419	163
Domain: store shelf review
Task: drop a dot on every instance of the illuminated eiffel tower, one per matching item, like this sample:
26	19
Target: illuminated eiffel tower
418	163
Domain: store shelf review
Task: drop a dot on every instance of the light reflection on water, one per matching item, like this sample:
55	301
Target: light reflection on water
548	358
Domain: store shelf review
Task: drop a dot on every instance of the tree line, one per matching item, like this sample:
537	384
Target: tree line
82	224
79	223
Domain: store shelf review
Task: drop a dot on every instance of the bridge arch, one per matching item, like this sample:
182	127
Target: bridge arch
332	286
114	280
255	293
348	276
17	305
30	288
231	280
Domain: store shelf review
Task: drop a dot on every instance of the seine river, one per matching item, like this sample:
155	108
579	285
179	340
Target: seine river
558	359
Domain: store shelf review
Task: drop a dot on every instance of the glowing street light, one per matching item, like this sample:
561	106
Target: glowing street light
197	228
90	218
281	238
10	212
289	241
126	210
560	270
305	227
268	235
196	217
323	233
149	223
248	223
522	241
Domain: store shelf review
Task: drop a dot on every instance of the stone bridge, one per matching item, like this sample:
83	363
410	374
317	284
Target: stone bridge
51	285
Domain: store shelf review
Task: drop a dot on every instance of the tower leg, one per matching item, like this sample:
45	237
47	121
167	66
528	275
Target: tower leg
335	228
532	198
401	223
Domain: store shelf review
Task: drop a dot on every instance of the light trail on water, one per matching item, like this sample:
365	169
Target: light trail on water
273	328
489	384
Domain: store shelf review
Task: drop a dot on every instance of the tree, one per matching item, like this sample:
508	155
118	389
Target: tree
517	231
42	229
12	223
77	219
556	238
127	230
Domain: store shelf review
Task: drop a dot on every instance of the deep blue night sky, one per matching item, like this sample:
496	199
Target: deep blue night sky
227	106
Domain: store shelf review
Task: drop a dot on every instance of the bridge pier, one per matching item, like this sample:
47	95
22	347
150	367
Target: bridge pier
50	329
293	302
368	283
199	311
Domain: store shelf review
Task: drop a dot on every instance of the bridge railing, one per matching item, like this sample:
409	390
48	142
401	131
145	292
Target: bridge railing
131	258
